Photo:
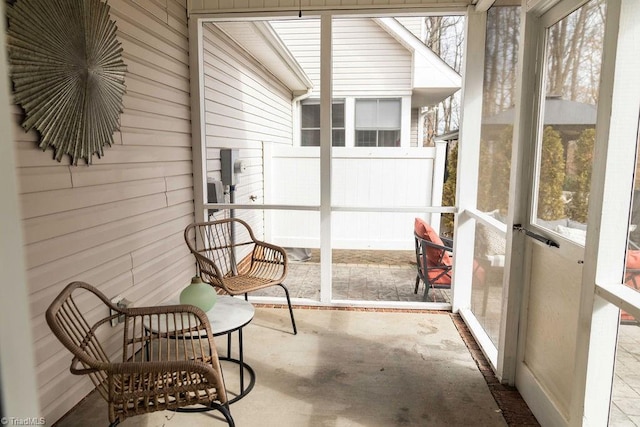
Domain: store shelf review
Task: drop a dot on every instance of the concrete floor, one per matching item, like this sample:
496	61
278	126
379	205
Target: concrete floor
371	368
625	404
344	368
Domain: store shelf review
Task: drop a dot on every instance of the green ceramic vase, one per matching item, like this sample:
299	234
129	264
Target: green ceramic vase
200	294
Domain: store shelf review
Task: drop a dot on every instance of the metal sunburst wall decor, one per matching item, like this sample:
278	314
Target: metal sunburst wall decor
68	74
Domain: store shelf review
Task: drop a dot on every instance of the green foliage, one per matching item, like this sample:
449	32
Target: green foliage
570	182
578	207
449	189
550	204
494	172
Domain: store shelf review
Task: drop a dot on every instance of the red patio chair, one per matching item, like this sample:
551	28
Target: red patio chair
631	279
433	258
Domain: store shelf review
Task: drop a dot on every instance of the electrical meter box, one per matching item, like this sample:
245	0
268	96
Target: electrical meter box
228	158
215	193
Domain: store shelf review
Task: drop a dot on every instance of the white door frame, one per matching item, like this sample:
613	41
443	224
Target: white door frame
610	199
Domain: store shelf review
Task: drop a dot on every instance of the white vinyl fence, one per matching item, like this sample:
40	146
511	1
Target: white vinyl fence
372	180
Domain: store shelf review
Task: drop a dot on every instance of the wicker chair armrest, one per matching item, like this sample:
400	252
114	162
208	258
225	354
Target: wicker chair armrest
279	253
207	265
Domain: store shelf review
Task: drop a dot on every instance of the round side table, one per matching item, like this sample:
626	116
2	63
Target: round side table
227	316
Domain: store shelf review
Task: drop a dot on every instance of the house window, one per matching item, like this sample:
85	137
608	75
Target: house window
310	123
377	123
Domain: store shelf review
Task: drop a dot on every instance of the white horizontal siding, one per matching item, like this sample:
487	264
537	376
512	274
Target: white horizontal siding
367	61
413	24
245	106
302	38
118	223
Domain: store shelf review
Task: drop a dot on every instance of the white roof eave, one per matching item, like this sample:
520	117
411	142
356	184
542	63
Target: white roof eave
429	70
259	40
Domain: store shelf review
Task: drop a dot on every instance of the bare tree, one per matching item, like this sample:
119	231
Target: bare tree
501	55
445	37
574	54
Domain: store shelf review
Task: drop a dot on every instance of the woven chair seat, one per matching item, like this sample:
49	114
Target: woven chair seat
243	284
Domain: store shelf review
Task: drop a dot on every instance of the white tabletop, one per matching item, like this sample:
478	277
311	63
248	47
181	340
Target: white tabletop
227	315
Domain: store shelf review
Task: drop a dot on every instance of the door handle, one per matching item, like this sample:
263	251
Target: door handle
538	237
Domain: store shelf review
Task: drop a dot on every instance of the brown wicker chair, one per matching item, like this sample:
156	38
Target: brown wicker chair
157	371
231	258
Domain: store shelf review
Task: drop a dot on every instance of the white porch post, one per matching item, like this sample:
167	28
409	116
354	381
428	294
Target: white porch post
267	188
438	182
609	202
468	157
17	367
325	157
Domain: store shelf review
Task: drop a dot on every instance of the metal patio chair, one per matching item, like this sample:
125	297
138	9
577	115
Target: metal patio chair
229	257
157	371
433	258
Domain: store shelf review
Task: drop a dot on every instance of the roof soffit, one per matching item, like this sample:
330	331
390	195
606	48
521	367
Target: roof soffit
260	41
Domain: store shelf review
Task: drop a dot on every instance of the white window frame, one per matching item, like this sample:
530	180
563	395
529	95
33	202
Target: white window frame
315	101
377	128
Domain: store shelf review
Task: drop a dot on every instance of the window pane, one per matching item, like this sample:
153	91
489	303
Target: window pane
310	138
389	114
365	138
501	52
498	113
337	115
567	131
310	115
338	138
366	113
632	272
488	274
388	138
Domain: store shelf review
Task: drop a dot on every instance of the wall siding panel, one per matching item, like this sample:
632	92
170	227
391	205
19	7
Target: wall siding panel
45	203
63	246
118	223
39	228
121	267
244	108
46	178
149	87
372	65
